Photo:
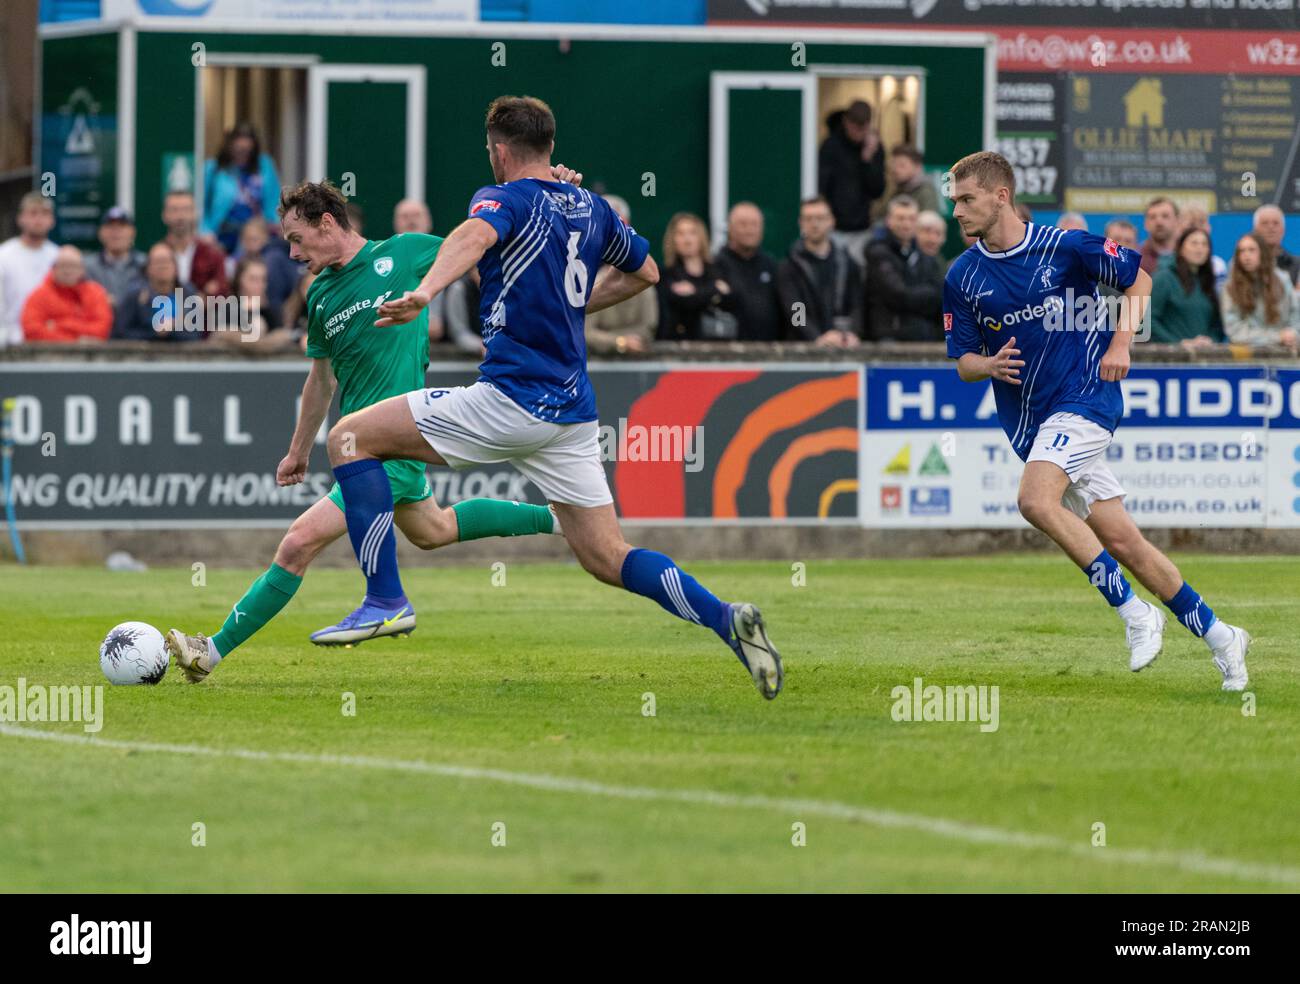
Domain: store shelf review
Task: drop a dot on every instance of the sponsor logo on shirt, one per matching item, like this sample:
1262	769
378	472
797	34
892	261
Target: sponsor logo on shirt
341	318
1048	305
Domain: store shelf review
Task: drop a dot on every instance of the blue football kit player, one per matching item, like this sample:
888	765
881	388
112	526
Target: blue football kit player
537	245
1021	307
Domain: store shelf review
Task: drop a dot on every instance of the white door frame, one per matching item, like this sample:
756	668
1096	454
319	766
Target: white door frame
319	76
720	85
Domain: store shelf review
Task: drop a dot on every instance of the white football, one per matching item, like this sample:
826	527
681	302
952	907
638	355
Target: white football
133	652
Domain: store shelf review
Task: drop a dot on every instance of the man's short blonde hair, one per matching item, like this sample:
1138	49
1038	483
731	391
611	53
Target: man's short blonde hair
990	170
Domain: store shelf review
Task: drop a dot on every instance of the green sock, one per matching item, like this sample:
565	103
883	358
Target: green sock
478	518
261	603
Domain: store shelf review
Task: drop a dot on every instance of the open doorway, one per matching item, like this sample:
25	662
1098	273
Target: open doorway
766	128
271	97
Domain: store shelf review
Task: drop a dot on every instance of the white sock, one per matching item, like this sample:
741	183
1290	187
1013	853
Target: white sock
214	657
1135	607
1218	634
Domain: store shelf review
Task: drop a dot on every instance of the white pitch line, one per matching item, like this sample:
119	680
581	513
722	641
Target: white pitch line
798	808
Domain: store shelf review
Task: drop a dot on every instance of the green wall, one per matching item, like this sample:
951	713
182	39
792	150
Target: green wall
624	108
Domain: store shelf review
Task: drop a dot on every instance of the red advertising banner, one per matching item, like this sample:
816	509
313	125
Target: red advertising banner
1129	50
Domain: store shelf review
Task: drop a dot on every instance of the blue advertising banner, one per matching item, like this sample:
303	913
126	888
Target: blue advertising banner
1199	446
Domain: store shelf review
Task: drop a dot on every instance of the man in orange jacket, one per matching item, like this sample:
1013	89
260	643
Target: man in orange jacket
67	306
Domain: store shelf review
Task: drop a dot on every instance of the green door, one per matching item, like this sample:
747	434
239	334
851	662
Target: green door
763	150
368	136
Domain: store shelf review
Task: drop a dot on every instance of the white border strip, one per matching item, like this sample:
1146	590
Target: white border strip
773	34
955	830
126	113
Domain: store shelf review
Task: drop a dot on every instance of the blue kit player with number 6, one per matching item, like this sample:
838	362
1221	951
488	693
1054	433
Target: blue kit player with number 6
537	244
1009	316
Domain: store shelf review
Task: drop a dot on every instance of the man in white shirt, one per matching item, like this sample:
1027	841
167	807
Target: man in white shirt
25	260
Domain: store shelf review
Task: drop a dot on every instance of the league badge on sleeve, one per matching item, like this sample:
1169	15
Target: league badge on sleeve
947	322
1111	247
485	205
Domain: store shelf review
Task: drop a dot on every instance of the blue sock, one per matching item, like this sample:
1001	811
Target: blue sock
656	576
1191	610
368	508
1106	577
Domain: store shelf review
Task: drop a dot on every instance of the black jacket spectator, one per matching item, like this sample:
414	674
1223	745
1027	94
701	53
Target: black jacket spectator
845	180
1288	264
904	293
827	290
706	313
753	280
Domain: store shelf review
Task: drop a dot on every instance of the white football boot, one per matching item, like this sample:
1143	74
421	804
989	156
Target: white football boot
1145	636
754	649
1231	659
195	654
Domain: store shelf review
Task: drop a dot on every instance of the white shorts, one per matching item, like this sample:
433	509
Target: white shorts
1078	446
480	425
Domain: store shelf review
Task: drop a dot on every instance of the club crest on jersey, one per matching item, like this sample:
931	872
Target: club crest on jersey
1044	275
384	266
485	205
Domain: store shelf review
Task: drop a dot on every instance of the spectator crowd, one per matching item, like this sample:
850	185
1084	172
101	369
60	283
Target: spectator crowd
867	266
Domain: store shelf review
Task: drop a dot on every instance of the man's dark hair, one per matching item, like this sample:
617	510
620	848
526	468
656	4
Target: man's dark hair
313	199
524	123
814	200
908	150
859	112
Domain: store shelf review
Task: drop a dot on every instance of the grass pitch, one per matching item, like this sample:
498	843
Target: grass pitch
523	706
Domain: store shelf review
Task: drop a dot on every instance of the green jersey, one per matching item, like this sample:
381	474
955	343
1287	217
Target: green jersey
371	364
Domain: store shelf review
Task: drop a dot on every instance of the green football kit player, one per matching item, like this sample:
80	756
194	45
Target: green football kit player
365	365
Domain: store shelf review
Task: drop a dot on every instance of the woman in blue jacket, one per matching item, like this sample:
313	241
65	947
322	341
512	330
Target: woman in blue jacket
240	183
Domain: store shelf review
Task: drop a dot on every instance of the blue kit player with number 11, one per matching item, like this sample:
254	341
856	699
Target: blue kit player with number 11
1010	315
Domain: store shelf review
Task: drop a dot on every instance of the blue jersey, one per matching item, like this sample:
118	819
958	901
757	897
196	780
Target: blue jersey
534	285
1042	292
